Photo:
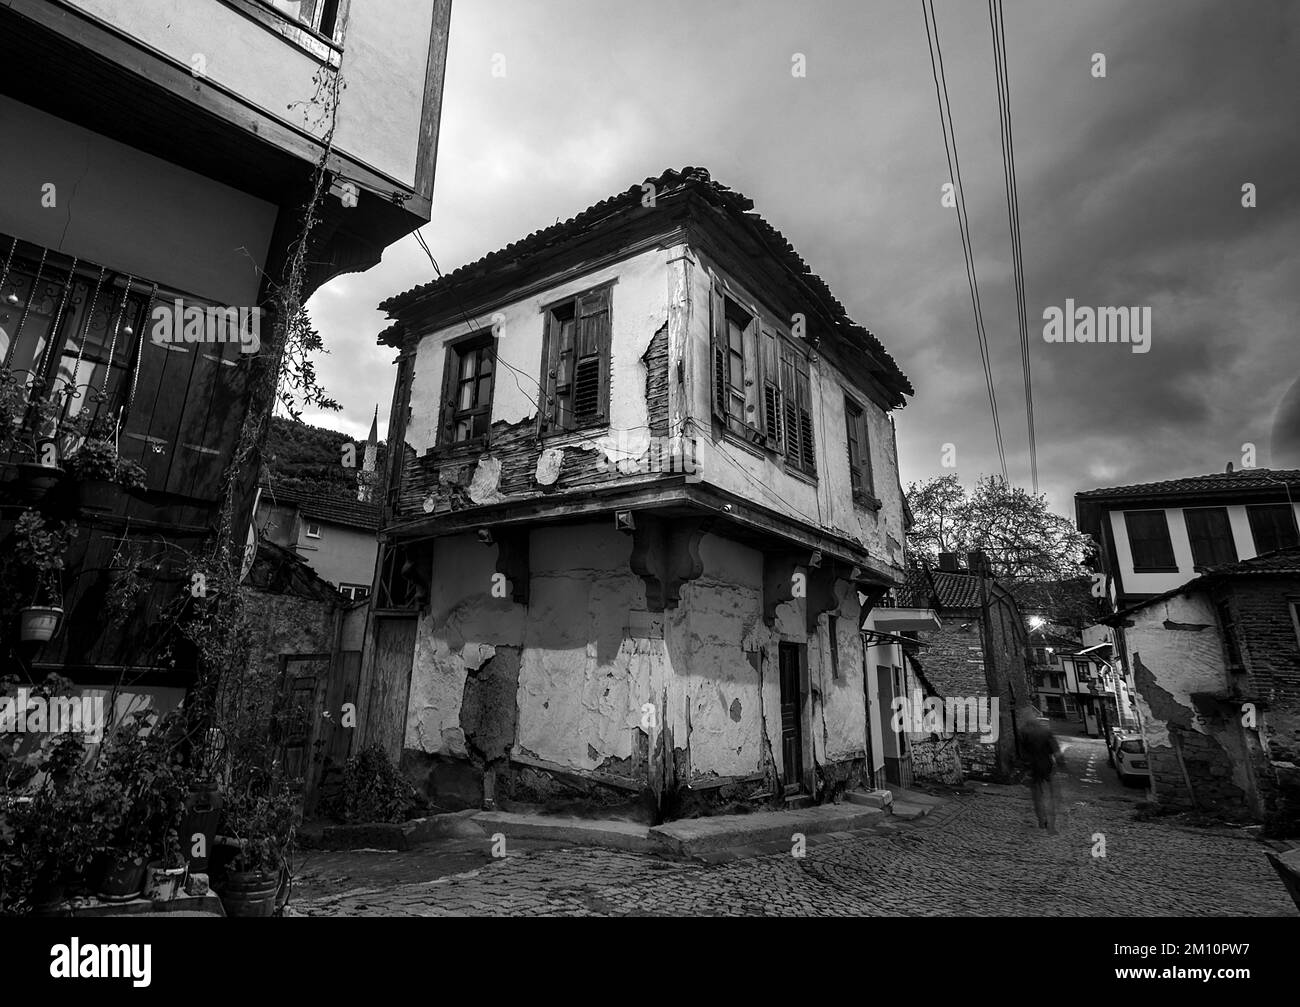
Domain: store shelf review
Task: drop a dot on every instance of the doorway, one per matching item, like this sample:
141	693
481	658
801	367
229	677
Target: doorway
790	658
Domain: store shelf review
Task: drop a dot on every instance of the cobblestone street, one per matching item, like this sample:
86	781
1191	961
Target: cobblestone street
980	854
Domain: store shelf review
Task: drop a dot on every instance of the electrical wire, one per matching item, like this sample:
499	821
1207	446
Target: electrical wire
1001	72
963	223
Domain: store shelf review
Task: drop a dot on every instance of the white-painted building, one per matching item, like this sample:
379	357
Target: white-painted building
643	495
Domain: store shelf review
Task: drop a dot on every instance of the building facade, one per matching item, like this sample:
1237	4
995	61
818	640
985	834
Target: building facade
643	495
1217	667
161	157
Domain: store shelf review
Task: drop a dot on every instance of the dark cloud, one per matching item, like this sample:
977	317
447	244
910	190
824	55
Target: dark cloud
1130	194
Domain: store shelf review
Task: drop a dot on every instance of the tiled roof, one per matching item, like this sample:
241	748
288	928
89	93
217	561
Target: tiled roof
670	182
954	590
1281	561
352	513
1215	482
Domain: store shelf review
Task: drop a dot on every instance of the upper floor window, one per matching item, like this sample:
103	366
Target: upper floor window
312	529
1210	533
319	15
575	378
855	419
761	385
354	592
1272	526
1148	538
467	389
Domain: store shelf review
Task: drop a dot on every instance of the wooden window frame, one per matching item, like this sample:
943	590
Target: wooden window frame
858	431
449	413
1128	528
1254	534
601	297
1192	540
779	374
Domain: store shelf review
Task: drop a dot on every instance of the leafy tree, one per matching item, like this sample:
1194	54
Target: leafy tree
1037	554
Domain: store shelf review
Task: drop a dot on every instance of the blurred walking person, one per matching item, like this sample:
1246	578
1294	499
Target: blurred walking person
1042	756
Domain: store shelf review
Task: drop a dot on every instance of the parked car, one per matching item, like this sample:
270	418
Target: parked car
1113	737
1131	760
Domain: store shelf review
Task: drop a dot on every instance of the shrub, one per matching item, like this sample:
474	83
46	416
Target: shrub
375	791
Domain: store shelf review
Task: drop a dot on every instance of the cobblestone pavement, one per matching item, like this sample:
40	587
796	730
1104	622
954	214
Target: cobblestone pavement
980	854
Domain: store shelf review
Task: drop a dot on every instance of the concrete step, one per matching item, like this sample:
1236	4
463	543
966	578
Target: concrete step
691	836
870	798
907	811
628	836
793	802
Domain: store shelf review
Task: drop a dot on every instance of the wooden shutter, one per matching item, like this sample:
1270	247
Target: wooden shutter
790	406
591	358
153	420
718	333
447	422
770	375
852	415
799	413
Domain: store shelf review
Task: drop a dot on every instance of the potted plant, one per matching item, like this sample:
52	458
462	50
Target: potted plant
257	836
102	475
40	549
166	875
38	475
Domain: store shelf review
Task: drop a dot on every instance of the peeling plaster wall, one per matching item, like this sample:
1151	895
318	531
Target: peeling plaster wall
590	656
1170	664
828	502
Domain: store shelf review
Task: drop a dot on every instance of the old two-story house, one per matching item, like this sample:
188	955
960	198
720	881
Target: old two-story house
158	161
1202	580
648	495
1153	537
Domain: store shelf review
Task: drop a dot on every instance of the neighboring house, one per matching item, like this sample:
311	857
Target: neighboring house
160	155
335	535
977	656
648	496
1216	662
336	538
1153	537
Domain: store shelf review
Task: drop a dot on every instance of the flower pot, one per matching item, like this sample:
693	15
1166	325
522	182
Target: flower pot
34	480
39	623
250	893
122	879
162	884
98	494
202	813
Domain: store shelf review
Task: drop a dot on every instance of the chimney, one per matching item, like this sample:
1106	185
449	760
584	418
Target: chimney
948	562
977	562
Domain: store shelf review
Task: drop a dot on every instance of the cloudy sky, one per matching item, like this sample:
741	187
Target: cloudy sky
1130	192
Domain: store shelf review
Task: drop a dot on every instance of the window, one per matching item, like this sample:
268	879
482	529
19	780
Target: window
1231	640
576	373
796	399
467	389
1272	526
761	386
1210	533
859	450
354	592
736	380
1148	537
313	529
321	15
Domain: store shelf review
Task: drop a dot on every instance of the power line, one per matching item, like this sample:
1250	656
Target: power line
1000	67
963	223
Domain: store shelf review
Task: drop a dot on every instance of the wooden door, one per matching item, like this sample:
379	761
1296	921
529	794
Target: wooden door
791	714
390	684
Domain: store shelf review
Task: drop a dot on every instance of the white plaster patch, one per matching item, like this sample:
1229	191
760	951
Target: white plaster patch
548	466
475	655
483	485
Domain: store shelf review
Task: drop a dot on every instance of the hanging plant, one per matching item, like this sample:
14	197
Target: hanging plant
40	550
